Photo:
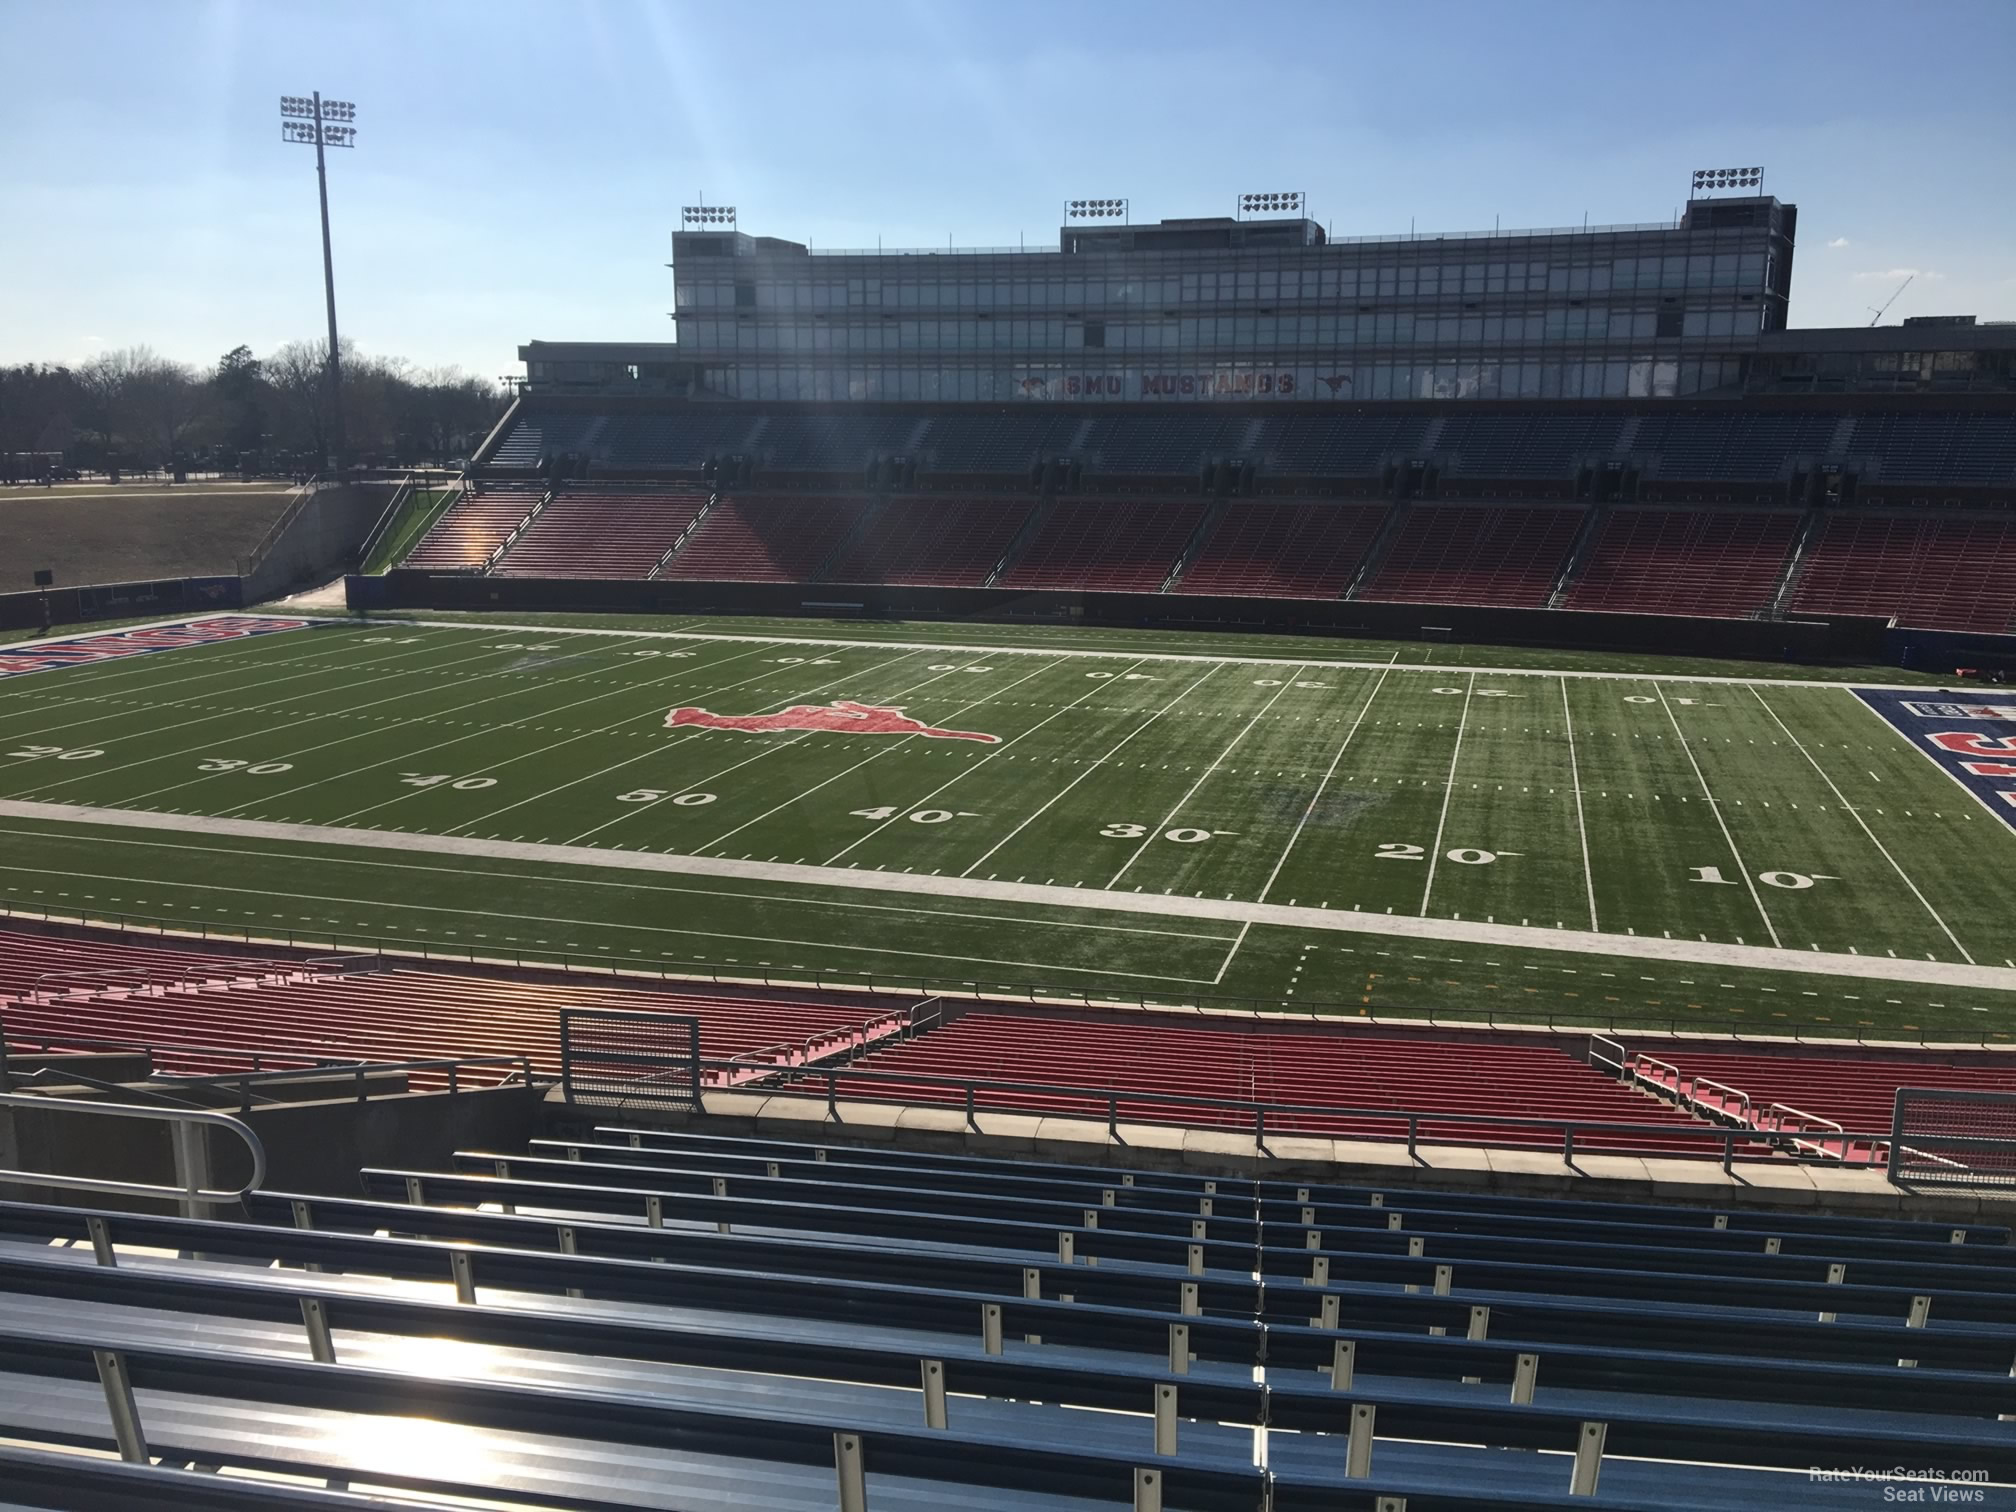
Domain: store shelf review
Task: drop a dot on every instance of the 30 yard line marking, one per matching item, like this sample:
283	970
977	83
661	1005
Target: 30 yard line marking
1096	766
1575	777
1715	808
320	693
1170	817
1317	797
1448	792
1856	815
969	771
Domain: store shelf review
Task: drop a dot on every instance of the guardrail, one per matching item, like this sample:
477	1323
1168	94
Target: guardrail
180	1119
1042	1098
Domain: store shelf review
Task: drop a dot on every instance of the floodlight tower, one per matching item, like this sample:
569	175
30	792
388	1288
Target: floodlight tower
310	119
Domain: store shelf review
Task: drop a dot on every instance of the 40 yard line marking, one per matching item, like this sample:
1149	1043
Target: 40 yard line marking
1575	779
1448	792
1856	814
1715	808
1317	797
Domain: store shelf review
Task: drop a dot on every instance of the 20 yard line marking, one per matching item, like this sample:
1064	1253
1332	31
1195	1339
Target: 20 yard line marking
1575	778
1322	786
1170	817
1856	814
1448	792
1715	808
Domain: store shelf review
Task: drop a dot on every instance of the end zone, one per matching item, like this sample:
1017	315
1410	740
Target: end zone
1971	740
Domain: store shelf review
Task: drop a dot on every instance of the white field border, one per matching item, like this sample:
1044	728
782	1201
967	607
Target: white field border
993	649
1574	942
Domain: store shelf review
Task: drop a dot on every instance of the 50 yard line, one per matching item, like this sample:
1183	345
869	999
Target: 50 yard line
1448	792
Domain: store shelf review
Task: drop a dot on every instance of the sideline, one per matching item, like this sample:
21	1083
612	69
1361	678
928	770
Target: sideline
1231	911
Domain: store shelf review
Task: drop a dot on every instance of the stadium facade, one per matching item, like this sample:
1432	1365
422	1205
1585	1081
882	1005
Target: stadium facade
1217	310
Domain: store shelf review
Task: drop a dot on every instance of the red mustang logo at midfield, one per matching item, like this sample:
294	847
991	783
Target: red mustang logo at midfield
842	717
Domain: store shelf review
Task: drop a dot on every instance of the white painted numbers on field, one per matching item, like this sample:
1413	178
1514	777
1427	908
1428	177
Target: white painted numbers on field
1182	836
254	768
436	779
658	653
61	753
1462	855
919	816
1790	880
654	795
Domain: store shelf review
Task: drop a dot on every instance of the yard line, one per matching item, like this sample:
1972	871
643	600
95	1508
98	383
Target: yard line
1575	777
175	703
1857	816
237	659
487	650
1325	783
969	771
1244	730
659	750
878	755
547	713
366	734
584	863
1226	964
1095	766
1448	792
1715	808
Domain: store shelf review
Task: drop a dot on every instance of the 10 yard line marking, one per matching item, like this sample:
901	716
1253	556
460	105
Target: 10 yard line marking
1448	792
1575	778
1716	809
1317	797
1168	818
1094	767
1857	816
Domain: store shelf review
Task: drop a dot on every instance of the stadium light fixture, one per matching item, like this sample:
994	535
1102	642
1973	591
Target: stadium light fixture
311	121
1095	209
1289	202
706	216
1707	180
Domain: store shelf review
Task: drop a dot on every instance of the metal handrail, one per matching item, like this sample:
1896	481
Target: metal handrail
1738	1105
1773	1121
186	1117
1256	1113
1622	1061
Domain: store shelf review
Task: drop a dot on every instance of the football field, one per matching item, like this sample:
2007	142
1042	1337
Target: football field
1356	834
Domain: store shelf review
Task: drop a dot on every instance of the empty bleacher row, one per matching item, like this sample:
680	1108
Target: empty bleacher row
1724	563
184	1005
622	1317
1943	571
1738	444
1419	1076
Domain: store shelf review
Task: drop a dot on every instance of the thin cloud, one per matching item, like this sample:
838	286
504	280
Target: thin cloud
1839	241
1925	273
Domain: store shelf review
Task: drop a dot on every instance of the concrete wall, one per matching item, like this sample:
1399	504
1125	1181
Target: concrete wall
322	538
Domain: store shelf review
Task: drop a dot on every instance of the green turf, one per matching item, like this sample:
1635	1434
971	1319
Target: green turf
1445	794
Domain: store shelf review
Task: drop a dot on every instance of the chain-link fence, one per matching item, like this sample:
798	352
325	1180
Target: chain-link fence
1950	1136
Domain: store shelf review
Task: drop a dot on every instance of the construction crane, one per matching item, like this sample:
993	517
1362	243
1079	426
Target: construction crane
1877	314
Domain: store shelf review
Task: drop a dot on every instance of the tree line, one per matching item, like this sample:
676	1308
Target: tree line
133	408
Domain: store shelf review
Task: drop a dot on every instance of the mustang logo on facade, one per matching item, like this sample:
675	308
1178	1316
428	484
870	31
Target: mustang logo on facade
841	717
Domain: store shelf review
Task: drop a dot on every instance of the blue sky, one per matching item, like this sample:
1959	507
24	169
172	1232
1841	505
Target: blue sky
521	162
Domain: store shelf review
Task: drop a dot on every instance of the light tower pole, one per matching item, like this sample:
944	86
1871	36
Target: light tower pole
310	119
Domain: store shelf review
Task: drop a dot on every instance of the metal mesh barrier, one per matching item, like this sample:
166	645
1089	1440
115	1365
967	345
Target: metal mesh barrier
630	1059
1950	1136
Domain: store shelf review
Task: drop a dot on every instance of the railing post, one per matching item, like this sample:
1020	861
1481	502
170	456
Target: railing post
1413	1135
1358	1448
1147	1491
315	1318
852	1477
119	1401
933	1372
1588	1459
1165	1418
